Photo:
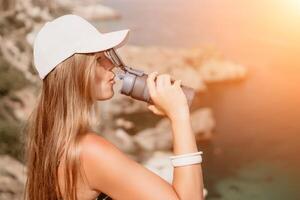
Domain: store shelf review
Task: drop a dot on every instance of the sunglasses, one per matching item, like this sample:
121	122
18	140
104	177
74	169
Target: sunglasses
112	55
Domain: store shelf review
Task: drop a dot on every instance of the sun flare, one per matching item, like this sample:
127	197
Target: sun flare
293	6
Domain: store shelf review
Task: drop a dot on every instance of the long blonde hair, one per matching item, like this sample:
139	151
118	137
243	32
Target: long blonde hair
61	117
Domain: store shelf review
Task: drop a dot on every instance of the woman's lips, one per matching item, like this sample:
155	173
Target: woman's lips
112	81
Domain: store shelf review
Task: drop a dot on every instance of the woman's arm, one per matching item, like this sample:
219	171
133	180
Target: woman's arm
169	100
187	180
109	170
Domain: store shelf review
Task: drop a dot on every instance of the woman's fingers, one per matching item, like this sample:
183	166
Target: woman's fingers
167	80
151	84
155	110
159	82
177	83
163	80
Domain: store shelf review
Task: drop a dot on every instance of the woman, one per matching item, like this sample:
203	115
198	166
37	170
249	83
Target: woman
66	158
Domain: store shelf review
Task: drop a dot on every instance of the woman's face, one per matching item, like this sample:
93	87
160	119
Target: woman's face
104	77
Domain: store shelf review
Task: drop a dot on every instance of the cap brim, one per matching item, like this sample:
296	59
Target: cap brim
105	41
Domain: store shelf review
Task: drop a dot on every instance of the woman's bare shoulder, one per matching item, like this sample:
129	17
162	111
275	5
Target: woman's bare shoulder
95	146
93	140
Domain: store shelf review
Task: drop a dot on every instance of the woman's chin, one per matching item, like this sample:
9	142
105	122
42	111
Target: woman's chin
107	96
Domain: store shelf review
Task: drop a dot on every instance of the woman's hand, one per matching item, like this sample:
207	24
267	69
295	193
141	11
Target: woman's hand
156	110
169	99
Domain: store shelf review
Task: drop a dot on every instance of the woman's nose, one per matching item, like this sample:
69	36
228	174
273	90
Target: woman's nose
111	67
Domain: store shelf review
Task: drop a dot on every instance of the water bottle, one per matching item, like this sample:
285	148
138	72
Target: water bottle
134	81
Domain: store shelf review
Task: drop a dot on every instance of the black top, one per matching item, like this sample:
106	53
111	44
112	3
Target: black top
103	196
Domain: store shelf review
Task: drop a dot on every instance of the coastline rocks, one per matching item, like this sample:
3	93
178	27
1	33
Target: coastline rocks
217	70
95	12
32	34
189	77
89	9
123	123
152	139
121	139
203	123
23	103
160	137
119	104
12	178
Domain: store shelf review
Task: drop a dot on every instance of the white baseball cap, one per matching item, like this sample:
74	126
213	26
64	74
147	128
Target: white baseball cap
69	34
